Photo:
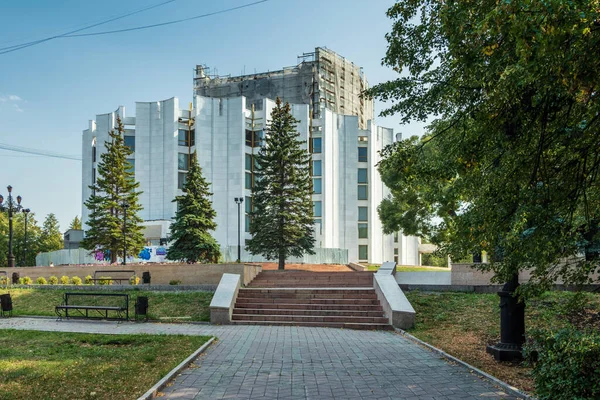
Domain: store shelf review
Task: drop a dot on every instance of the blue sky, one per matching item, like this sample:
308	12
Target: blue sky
49	92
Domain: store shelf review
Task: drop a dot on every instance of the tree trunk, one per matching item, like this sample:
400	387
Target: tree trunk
281	261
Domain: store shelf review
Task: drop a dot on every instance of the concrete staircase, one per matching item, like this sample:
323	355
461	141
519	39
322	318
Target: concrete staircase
329	299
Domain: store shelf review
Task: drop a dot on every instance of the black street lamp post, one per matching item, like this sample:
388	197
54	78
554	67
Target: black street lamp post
239	201
26	212
11	207
125	207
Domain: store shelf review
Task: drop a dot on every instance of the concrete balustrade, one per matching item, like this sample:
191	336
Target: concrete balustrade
396	306
223	301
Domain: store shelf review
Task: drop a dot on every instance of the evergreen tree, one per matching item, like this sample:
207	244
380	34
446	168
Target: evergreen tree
191	240
282	216
51	238
114	187
76	223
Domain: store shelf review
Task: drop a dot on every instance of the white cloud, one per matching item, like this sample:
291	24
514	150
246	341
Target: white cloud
19	109
14	97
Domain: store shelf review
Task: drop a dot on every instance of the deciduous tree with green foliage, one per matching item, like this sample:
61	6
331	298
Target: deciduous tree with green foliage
510	163
114	187
191	238
33	244
50	238
282	211
76	223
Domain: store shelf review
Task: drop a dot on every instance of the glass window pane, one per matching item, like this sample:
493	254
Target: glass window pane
362	175
363	252
248	162
248	219
363	214
317	168
395	237
363	231
316	145
362	154
248	205
363	192
317	186
248	180
130	142
181	178
183	161
317	212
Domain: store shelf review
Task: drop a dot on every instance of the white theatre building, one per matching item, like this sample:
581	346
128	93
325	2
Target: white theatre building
226	132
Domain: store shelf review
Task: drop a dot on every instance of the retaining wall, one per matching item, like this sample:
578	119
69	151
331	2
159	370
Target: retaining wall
161	274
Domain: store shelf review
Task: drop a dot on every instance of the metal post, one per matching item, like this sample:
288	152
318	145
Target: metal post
239	201
11	208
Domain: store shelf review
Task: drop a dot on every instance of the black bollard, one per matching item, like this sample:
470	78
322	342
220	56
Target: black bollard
146	277
512	324
15	278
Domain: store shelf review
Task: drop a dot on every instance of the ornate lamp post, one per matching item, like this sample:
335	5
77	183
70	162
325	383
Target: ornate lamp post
125	207
11	207
239	201
26	211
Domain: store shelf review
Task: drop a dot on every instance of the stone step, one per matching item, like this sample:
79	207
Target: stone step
305	285
307	318
305	290
349	325
303	306
324	313
295	295
309	301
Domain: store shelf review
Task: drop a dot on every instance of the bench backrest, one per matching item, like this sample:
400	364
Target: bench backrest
97	299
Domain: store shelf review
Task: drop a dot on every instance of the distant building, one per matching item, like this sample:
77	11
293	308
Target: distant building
226	127
72	238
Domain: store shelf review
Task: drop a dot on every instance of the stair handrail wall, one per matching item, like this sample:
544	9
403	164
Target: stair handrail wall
396	306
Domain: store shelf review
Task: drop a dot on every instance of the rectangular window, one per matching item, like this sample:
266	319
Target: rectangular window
396	259
181	179
253	138
94	154
317	168
248	162
183	161
248	180
363	231
395	237
363	252
248	205
362	175
396	251
130	142
362	154
182	137
93	175
317	212
316	145
317	186
363	138
363	192
363	213
248	219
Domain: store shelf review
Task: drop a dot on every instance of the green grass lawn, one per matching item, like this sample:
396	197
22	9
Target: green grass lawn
184	305
57	365
462	324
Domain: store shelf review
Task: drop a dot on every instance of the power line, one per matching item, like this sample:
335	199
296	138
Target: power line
169	22
44	153
20	46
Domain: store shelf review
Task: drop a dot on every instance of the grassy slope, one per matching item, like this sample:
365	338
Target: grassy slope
53	365
462	324
192	306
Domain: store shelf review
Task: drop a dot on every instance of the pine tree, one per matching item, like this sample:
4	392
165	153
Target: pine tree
76	223
114	187
191	240
282	216
51	238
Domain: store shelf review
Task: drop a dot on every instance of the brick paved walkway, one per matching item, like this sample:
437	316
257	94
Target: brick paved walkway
300	363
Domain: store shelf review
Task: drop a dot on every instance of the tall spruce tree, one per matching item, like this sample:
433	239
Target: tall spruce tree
51	239
75	223
114	187
191	240
282	216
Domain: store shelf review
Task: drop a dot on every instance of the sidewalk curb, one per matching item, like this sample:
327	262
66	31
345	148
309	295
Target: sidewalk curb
511	389
153	391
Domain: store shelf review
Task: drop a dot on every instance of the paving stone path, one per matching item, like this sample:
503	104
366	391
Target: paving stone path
249	362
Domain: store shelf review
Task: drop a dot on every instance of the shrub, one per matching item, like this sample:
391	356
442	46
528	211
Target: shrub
76	280
64	280
27	281
21	281
41	281
53	280
4	280
134	280
566	364
175	282
88	280
105	280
